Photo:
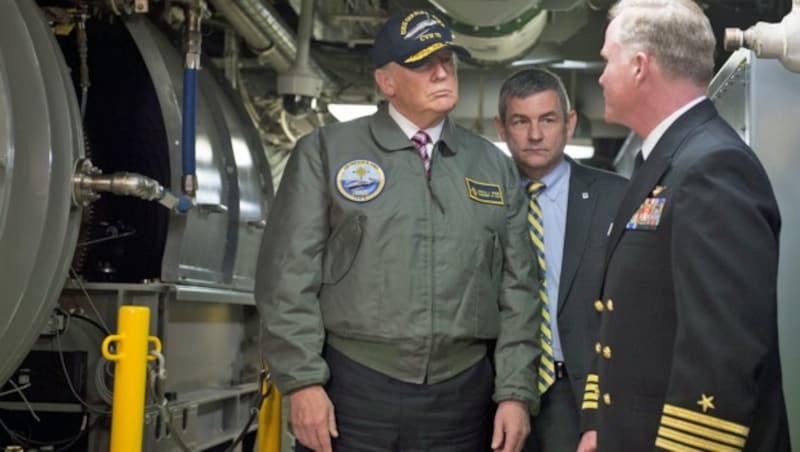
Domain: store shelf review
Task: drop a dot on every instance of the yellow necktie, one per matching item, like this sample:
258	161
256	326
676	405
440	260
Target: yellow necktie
546	374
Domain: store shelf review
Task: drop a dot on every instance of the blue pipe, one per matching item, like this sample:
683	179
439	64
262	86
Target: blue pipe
188	138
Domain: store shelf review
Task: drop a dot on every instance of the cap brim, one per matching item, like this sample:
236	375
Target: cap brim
424	55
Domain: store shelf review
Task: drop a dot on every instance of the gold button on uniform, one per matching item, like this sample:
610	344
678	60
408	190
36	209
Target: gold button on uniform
598	306
610	304
607	398
598	347
607	352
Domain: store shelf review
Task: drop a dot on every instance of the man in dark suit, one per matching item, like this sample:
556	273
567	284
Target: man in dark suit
687	356
577	203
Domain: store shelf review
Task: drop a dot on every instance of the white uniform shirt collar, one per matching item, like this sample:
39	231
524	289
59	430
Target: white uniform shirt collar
409	129
652	139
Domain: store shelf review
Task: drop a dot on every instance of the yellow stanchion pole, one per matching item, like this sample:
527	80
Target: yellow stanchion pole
130	371
269	420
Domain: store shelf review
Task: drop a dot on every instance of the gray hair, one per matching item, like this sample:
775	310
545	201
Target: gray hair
676	32
526	82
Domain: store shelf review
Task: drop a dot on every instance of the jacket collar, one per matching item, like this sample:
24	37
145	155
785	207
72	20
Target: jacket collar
389	137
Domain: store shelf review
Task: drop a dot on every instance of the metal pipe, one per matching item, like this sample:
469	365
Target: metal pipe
259	24
88	182
256	38
779	40
191	67
300	86
265	18
304	30
83	56
130	371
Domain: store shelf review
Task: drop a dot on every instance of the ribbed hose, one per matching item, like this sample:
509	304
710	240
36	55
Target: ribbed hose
194	41
188	131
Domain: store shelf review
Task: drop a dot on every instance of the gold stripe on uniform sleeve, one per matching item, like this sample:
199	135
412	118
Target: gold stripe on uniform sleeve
591	395
709	433
695	441
711	421
673	446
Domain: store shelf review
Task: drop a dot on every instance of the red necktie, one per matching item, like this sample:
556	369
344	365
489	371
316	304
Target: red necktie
421	139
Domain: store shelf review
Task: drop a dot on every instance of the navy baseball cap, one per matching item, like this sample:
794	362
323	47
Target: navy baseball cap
409	38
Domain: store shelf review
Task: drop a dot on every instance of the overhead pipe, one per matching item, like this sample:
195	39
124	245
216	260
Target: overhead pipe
256	37
780	40
265	17
262	29
300	86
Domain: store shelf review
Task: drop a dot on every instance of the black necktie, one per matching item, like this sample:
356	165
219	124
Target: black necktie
637	162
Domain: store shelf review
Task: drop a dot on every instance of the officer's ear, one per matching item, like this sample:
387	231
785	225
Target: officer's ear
641	66
385	81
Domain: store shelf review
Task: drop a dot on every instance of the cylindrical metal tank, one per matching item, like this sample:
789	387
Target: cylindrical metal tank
40	138
194	271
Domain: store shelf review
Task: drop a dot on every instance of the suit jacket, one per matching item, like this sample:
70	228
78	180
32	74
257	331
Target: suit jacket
592	201
687	356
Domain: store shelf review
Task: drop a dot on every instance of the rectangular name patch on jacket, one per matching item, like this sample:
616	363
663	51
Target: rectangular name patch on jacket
485	192
648	216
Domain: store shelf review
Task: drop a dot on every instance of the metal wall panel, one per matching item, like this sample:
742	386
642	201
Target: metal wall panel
761	99
214	244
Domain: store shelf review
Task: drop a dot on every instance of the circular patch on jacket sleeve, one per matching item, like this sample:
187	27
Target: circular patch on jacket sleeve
360	180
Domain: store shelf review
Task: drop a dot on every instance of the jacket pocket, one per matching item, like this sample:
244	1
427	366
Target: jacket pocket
342	249
488	276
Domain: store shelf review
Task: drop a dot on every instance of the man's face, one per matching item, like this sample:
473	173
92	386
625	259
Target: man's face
536	131
617	78
430	90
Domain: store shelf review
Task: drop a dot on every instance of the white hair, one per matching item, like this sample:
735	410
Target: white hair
676	32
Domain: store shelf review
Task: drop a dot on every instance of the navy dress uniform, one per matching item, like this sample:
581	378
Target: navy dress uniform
687	356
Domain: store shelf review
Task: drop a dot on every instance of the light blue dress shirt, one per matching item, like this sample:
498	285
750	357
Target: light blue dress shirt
553	202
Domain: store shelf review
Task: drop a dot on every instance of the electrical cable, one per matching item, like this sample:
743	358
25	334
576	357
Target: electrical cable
16	389
253	412
25	399
253	415
156	379
90	320
58	445
69	380
263	381
100	382
83	431
101	368
88	298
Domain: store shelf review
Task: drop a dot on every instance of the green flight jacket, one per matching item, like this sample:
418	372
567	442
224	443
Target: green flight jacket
413	276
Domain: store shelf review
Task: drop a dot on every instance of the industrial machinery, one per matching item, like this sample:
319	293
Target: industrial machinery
141	142
92	110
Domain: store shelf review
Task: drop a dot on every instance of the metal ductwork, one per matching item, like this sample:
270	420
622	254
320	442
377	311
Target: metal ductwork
495	35
263	30
268	38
